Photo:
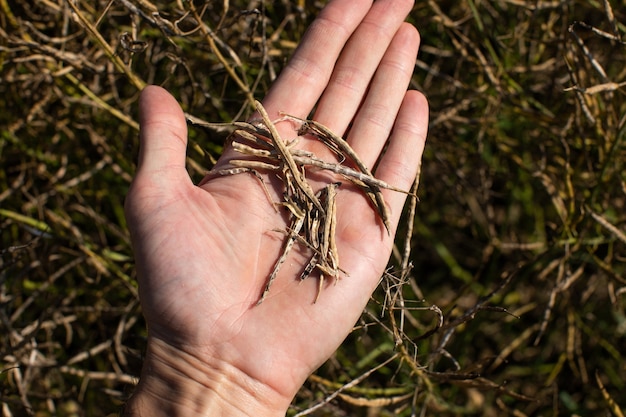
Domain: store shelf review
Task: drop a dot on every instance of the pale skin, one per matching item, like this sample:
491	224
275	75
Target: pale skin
204	252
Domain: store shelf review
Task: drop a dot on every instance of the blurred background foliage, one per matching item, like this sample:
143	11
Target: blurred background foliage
513	302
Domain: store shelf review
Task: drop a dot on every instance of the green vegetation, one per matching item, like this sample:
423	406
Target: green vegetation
514	302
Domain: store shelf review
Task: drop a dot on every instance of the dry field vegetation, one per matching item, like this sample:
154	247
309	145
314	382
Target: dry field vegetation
513	302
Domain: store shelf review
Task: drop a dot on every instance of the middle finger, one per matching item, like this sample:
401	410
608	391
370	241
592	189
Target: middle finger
358	62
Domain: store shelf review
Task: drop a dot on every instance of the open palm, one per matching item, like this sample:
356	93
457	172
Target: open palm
204	252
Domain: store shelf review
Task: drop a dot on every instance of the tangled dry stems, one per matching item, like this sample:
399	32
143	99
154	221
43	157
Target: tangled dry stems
312	215
505	294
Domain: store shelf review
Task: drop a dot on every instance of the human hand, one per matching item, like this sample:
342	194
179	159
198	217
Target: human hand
204	252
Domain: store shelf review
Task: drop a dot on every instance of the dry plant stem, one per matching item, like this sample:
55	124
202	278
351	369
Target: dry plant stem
211	40
290	165
115	59
252	139
249	150
310	266
241	170
251	164
313	227
324	244
347	386
615	408
330	192
291	238
349	173
406	256
331	245
101	103
241	128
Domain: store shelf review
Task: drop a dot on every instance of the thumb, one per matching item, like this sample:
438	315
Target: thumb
162	137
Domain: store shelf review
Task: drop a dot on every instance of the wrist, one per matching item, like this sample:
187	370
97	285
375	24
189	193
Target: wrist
175	383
